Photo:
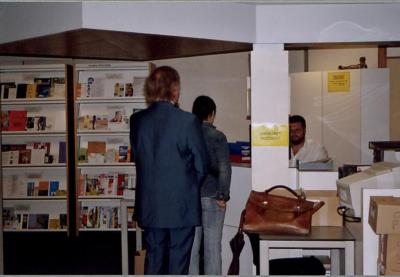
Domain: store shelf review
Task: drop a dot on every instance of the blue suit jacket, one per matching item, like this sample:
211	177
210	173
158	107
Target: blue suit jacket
171	162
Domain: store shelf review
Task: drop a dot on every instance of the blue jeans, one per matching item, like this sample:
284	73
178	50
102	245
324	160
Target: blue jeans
213	220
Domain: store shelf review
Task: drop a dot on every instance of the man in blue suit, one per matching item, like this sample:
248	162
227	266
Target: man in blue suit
171	162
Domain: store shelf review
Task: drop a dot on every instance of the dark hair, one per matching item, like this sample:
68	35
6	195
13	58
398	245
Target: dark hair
160	83
203	106
297	119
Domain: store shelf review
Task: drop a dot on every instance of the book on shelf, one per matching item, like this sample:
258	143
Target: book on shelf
123	152
24	156
37	156
21	90
31	91
30	188
131	221
38	221
43	188
17	120
42	81
95	87
57	87
96	151
118	120
24	221
5	90
119	90
53	187
43	91
10	219
62	152
138	86
86	122
100	122
5	121
42	145
13	186
128	89
110	156
63	221
54	221
83	155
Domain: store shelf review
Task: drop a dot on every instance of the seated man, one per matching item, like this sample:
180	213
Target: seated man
301	149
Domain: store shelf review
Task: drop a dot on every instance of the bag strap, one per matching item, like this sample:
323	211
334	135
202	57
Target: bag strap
283	187
242	215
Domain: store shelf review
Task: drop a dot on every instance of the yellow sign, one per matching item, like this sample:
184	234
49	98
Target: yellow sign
269	134
339	81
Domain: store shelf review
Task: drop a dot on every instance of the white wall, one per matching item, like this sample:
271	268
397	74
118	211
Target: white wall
223	78
223	20
327	23
25	20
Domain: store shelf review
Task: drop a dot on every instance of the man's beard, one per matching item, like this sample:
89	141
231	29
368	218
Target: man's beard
298	141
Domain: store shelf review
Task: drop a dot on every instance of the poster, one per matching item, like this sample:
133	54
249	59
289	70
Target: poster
339	82
270	134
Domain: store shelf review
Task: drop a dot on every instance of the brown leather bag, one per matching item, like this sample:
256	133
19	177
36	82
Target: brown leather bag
270	214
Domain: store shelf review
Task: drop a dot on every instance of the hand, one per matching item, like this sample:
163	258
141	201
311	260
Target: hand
221	204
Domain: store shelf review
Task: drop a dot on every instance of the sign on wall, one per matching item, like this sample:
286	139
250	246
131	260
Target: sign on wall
339	81
269	134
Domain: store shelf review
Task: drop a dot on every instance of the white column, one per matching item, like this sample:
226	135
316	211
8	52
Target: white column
269	104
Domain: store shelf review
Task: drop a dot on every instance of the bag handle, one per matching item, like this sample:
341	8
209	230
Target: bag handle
284	187
317	206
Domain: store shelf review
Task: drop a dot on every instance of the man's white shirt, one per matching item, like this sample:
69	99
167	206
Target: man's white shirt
311	151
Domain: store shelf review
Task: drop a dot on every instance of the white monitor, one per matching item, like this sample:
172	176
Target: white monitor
379	175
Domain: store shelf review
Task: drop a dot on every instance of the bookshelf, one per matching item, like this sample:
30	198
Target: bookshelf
34	136
105	96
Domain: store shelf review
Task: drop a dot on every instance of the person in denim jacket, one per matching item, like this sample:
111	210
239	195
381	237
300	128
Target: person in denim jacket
214	191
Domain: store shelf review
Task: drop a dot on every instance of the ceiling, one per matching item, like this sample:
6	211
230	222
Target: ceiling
112	45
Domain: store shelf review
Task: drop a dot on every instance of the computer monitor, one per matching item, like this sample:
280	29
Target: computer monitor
379	175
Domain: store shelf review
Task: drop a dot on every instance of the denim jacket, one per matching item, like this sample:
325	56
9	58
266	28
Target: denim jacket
218	181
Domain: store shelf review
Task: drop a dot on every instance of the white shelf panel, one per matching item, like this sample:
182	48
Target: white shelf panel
37	230
36	166
103	132
102	230
101	198
33	101
102	100
105	165
34	198
34	134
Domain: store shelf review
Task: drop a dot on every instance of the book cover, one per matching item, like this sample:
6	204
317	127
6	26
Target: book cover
92	185
128	89
58	88
24	156
17	120
30	123
6	157
42	91
38	221
50	123
118	120
30	191
40	123
10	219
31	91
121	184
12	92
54	222
24	221
37	156
4	89
54	185
63	221
83	155
43	188
123	154
14	157
81	185
42	81
21	90
62	152
98	147
5	121
110	156
101	122
119	90
138	86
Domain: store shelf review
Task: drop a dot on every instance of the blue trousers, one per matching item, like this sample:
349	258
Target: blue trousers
168	250
211	233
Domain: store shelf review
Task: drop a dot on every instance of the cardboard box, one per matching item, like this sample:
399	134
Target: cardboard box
325	216
389	255
384	214
139	262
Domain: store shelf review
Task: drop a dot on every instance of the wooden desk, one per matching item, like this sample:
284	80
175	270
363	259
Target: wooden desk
332	238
